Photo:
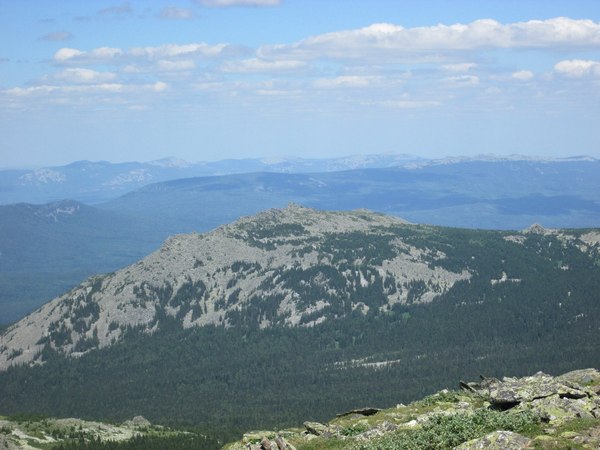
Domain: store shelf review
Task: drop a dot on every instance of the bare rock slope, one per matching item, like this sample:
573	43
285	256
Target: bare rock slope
286	267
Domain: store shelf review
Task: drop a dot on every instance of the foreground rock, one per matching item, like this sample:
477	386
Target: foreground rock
497	440
538	411
554	400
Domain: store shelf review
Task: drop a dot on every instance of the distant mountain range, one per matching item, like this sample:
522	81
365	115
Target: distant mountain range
475	194
94	182
97	181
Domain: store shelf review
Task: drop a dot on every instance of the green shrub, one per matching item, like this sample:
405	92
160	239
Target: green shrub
447	431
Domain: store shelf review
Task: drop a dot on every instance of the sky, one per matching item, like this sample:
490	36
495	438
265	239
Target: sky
206	80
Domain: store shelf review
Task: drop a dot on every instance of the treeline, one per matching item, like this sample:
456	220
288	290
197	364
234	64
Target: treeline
188	441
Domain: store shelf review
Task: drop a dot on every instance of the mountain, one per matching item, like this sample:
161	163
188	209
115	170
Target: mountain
47	249
97	181
298	313
476	194
484	192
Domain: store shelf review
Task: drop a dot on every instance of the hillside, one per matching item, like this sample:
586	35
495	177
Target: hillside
297	314
38	432
47	249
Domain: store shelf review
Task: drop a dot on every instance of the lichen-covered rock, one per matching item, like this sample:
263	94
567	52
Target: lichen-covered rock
318	429
254	437
497	440
140	421
512	391
557	410
581	376
588	438
6	444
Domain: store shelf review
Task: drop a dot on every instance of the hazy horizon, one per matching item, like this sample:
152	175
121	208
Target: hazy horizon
206	80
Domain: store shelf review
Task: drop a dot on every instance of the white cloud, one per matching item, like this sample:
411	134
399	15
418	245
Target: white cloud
459	67
174	50
576	68
108	55
462	80
352	81
65	54
99	88
98	55
48	89
224	3
260	65
175	13
410	104
83	76
384	41
175	66
523	75
159	86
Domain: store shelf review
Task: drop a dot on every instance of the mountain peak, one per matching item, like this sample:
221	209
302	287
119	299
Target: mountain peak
218	277
290	267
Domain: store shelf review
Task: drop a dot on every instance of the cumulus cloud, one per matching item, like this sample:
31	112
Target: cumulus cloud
49	89
65	54
462	80
225	3
83	76
100	88
577	68
173	50
175	13
56	36
98	55
108	55
459	67
394	42
522	75
344	81
175	66
253	65
410	104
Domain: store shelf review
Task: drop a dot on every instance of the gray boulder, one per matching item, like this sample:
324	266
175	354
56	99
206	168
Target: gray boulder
497	440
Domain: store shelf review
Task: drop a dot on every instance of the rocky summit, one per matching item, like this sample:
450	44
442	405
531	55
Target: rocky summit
269	262
297	267
538	411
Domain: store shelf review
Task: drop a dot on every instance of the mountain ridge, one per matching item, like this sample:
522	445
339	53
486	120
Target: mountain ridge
299	314
292	266
98	181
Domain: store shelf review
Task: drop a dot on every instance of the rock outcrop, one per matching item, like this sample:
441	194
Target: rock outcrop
274	258
538	411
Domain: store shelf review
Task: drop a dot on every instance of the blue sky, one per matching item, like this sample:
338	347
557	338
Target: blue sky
214	79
